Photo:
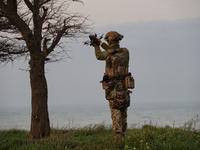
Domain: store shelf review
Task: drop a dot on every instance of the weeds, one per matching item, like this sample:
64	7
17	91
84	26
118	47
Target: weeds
191	125
100	137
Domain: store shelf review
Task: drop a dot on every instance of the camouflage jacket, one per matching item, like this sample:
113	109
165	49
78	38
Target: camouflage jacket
115	90
103	55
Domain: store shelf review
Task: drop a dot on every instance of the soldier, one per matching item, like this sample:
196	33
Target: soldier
116	91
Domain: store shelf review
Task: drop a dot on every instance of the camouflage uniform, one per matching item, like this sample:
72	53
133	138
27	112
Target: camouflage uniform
119	119
115	90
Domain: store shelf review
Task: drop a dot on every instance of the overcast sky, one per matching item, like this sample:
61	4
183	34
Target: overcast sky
163	38
109	12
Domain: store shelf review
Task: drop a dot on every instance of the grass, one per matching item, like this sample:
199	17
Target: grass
100	137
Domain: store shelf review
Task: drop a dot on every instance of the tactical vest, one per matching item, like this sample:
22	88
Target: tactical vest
118	60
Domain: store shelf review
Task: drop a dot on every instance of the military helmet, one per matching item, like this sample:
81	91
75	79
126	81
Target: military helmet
113	37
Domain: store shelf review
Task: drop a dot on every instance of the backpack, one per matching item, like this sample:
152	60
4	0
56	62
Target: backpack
119	59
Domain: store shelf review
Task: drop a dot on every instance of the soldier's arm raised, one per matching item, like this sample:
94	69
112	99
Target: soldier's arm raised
104	46
99	54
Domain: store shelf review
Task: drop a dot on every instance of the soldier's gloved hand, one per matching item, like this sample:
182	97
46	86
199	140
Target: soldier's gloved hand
99	41
94	45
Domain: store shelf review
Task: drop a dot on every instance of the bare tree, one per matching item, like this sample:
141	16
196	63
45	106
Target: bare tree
33	29
9	47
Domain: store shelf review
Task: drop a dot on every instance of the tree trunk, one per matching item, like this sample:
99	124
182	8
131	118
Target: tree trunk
39	118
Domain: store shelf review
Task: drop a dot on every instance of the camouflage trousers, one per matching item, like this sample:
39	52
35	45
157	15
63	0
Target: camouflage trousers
119	119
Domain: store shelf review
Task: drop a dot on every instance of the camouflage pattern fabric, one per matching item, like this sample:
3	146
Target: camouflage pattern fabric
119	119
119	62
109	87
117	70
121	96
113	37
115	90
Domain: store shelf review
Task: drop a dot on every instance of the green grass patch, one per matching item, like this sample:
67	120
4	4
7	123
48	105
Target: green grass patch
101	137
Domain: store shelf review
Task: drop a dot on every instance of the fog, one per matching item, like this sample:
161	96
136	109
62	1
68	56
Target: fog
164	60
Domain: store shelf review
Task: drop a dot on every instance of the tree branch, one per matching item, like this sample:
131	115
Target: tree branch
57	39
2	5
10	52
44	2
20	24
44	14
12	5
15	19
78	1
30	6
48	22
45	50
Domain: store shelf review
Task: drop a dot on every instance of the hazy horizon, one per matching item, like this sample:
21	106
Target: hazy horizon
163	38
164	60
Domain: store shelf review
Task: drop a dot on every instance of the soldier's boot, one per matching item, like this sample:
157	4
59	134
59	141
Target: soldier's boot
118	136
